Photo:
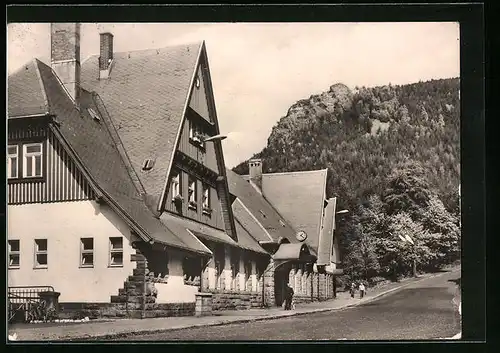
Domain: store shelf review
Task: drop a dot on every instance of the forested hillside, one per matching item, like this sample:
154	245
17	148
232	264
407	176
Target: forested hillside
370	139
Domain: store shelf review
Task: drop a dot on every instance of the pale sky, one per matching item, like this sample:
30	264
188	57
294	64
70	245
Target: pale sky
260	69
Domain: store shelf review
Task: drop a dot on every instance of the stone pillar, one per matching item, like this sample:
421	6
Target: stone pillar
298	280
308	283
291	278
227	269
241	275
211	274
322	285
203	306
314	288
253	277
268	278
205	283
304	282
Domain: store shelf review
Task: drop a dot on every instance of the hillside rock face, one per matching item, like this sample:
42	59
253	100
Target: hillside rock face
336	101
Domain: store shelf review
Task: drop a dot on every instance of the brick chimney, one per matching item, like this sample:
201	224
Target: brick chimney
65	56
106	54
255	171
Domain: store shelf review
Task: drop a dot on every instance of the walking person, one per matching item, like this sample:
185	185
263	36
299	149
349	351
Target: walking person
288	297
353	289
361	290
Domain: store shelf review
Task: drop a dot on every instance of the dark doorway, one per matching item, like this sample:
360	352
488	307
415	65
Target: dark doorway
281	278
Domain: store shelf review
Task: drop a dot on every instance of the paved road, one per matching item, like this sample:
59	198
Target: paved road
423	310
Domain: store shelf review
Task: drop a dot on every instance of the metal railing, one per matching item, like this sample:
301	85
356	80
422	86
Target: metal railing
21	298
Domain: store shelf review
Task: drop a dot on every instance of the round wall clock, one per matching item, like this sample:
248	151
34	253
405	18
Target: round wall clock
301	235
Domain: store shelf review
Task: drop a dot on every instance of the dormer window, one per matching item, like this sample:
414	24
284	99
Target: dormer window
93	114
148	164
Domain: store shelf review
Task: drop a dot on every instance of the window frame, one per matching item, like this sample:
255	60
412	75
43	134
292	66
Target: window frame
115	251
14	253
21	165
27	154
195	130
192	192
9	161
176	184
83	252
37	252
206	199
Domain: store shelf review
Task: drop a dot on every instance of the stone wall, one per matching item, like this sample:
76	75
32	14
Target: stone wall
123	310
222	300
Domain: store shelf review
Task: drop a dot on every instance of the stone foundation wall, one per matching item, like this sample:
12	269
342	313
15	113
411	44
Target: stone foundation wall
123	310
222	300
301	299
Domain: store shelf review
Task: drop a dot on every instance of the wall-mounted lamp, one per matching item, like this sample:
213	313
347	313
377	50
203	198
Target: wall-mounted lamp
215	138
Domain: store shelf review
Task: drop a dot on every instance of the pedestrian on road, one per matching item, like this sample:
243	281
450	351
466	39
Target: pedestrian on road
288	297
361	290
353	289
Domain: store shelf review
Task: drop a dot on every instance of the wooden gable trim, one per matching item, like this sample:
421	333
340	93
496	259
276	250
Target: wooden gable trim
191	166
163	197
218	144
321	219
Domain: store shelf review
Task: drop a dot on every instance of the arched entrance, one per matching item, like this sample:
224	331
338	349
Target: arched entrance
285	258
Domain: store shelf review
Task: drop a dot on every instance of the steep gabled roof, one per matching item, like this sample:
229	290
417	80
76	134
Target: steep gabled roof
299	197
145	96
261	210
91	144
25	92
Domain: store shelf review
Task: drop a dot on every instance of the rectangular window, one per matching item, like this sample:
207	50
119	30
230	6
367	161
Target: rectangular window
176	184
116	251
41	260
14	254
196	134
87	252
12	161
206	197
191	129
192	192
32	161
